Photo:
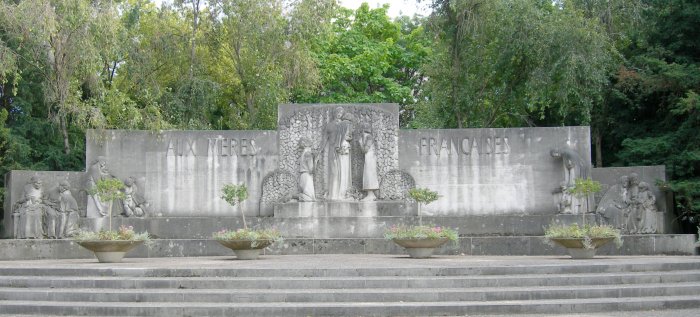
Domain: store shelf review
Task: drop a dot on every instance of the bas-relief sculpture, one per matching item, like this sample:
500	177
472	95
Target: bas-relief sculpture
335	144
352	147
39	214
370	181
307	191
629	205
574	167
133	204
350	154
96	208
51	211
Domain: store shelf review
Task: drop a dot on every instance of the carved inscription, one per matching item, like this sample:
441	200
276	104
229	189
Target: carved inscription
464	146
214	146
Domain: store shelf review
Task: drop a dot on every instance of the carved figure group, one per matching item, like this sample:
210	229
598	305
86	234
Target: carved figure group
337	147
132	205
629	205
38	215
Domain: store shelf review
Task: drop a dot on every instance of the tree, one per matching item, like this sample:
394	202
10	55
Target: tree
513	62
655	105
369	58
263	59
55	39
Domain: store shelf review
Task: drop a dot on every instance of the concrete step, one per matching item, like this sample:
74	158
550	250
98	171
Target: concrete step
349	282
273	266
349	295
424	308
348	285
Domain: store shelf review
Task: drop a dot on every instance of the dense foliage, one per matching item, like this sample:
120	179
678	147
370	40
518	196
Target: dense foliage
629	68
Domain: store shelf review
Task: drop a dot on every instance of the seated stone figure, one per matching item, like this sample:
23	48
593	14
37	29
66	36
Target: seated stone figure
64	203
132	205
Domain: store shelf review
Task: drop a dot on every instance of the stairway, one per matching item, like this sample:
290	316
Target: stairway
348	285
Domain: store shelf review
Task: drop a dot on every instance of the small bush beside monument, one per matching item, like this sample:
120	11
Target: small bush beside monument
246	243
420	241
582	240
109	245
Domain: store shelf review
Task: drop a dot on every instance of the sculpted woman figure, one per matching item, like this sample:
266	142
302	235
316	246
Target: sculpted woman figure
336	143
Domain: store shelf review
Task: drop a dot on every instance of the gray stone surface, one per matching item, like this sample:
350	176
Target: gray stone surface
490	171
652	175
14	249
350	285
16	180
183	171
313	121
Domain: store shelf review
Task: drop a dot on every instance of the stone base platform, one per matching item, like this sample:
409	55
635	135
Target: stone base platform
681	244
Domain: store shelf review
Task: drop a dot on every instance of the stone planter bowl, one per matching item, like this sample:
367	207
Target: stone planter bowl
420	248
577	249
246	249
109	251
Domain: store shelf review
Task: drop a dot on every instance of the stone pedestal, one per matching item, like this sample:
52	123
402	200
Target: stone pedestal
345	209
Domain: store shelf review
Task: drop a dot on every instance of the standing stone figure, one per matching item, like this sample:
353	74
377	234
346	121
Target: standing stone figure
95	207
336	144
306	171
635	208
574	166
647	212
370	180
68	209
132	205
28	212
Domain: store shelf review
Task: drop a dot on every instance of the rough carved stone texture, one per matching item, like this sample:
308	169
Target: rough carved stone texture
395	185
277	187
630	205
309	121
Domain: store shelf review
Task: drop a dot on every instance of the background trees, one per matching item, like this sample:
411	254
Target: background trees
629	68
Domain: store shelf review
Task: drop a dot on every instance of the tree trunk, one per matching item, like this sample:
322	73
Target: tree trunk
64	132
193	44
598	143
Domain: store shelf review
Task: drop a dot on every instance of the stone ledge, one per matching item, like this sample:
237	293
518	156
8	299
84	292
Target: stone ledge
677	244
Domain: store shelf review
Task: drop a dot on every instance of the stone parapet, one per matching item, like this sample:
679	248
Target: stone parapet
678	244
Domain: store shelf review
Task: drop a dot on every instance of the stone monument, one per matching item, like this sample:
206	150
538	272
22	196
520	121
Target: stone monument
332	171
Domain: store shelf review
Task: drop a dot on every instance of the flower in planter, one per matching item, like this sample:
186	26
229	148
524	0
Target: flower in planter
588	233
248	234
420	232
124	233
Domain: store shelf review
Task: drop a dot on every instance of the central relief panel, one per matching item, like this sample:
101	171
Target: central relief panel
339	152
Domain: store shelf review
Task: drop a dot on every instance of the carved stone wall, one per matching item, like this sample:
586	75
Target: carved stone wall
309	120
277	187
395	185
